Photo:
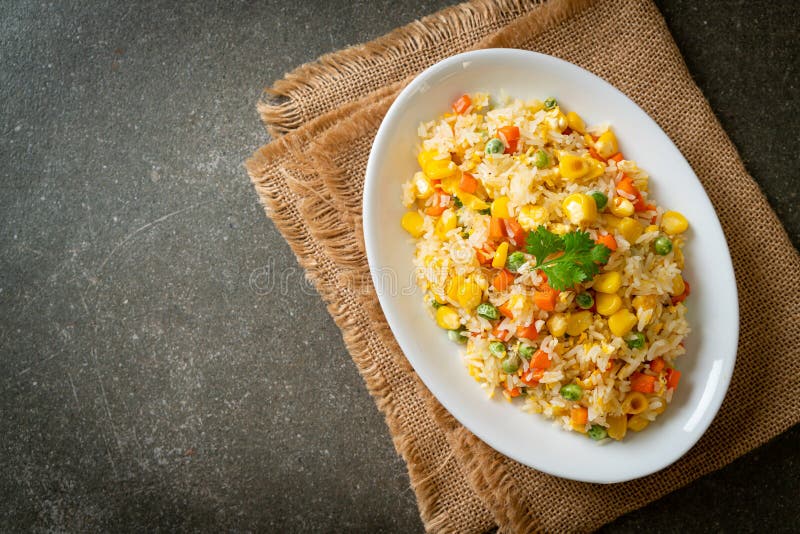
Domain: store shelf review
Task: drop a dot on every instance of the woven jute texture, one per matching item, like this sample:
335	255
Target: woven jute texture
323	118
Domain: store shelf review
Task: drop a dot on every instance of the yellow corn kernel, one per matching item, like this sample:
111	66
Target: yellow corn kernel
678	285
500	255
573	167
530	217
434	166
426	156
610	221
630	229
617	426
561	121
439	169
577	427
500	208
634	403
608	303
559	228
578	322
471	201
596	168
473	371
575	122
447	318
516	303
556	122
450	184
637	423
606	145
422	186
651	228
621	207
412	223
674	223
622	322
452	287
446	222
580	208
469	295
644	302
558	411
609	282
557	324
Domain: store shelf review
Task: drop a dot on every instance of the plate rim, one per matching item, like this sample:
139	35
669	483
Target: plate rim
370	186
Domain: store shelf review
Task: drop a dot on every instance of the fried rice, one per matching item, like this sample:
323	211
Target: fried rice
498	176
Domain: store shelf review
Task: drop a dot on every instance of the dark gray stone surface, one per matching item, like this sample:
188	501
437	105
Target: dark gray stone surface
152	377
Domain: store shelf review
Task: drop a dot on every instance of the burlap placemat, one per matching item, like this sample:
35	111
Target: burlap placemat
310	179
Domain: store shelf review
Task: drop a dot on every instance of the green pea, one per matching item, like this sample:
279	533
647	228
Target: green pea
526	351
571	392
457	336
584	300
597	432
494	146
487	311
541	159
600	199
662	246
510	364
497	348
515	261
550	103
635	340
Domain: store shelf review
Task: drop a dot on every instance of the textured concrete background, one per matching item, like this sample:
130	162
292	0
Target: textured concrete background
152	377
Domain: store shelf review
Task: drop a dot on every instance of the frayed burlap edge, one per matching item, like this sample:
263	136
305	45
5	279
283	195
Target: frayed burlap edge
282	111
331	172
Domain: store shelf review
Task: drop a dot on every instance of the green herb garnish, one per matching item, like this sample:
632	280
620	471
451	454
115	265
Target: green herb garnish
574	257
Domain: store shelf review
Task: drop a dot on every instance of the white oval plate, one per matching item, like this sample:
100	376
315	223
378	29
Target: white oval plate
713	307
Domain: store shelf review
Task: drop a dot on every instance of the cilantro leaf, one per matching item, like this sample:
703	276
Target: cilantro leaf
579	259
562	277
600	254
542	243
577	241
